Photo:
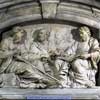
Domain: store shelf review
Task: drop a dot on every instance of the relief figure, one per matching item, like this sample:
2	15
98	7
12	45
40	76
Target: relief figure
83	57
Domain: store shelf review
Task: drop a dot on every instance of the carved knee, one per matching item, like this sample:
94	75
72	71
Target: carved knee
76	65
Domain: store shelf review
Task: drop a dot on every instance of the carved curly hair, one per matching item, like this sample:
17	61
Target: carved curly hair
86	29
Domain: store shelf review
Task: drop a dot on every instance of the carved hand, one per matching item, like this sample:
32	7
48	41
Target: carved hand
85	56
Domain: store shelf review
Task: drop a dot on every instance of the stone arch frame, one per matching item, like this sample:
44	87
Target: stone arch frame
68	10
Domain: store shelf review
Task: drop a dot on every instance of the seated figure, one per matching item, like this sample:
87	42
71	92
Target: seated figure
14	55
83	57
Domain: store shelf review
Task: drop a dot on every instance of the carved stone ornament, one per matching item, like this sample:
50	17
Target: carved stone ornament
51	46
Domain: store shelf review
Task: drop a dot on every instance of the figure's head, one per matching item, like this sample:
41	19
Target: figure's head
84	33
19	34
40	35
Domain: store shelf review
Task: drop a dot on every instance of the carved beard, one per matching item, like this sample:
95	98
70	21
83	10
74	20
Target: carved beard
84	38
42	39
19	41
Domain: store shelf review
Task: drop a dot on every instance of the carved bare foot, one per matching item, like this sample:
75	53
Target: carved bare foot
29	85
33	85
41	86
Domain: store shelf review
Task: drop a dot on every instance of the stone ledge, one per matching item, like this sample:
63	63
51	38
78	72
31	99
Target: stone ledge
16	93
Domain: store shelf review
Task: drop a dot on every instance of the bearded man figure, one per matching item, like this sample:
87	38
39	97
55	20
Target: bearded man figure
12	50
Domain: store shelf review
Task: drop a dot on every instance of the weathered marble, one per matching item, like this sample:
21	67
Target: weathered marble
60	18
